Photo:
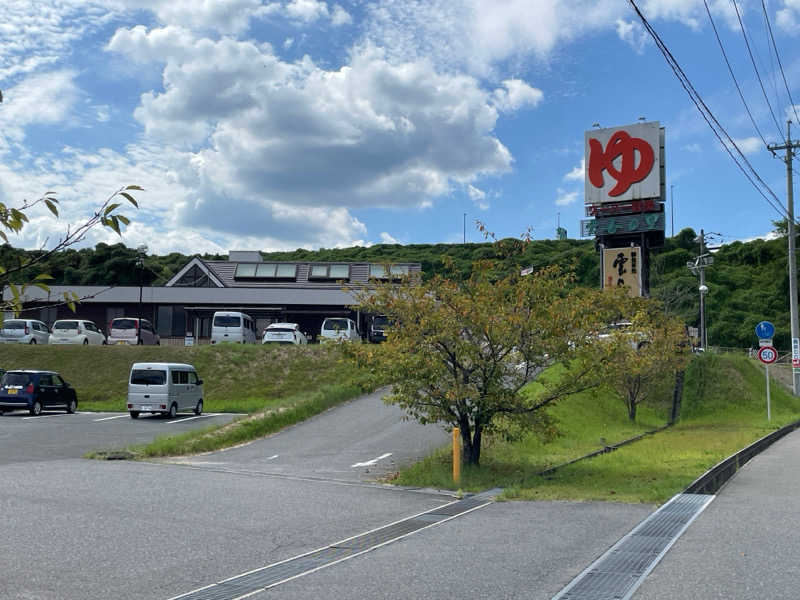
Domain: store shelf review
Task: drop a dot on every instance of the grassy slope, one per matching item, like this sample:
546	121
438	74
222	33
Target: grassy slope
723	411
235	378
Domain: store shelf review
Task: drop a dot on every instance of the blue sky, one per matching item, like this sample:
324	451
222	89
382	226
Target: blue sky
279	124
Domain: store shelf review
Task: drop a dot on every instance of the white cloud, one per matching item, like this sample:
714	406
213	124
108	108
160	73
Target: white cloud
633	34
566	198
516	95
788	17
228	16
45	98
307	10
694	147
577	173
749	145
478	196
388	239
372	133
340	16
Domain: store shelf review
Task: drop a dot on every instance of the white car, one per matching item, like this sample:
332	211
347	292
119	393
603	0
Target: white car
284	333
24	331
77	331
339	329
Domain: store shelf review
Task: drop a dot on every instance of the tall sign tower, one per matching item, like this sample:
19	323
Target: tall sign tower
625	193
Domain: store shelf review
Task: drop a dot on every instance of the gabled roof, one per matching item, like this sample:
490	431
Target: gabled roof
195	262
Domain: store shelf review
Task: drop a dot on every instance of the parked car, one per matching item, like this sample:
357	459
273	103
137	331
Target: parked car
339	328
284	333
132	331
77	331
36	391
164	388
235	327
24	331
377	328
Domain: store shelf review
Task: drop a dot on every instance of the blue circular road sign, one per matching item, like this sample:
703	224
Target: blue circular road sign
765	330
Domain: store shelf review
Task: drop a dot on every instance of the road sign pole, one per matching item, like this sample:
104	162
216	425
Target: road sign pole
769	416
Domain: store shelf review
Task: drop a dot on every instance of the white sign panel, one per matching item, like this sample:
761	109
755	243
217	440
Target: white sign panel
623	163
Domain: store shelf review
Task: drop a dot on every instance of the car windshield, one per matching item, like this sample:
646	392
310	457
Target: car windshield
148	377
65	325
14	325
380	321
123	324
16	379
227	321
335	324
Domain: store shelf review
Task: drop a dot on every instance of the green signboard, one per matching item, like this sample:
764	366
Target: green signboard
624	224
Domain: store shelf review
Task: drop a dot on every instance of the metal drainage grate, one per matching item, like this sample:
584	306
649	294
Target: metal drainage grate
275	574
621	570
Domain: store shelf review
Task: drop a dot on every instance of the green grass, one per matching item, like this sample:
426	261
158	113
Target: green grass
724	409
236	378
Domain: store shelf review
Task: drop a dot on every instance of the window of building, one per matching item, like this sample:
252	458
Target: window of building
194	277
286	271
246	270
329	272
388	271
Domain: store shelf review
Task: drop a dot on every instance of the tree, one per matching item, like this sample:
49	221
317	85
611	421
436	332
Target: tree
460	352
14	219
649	350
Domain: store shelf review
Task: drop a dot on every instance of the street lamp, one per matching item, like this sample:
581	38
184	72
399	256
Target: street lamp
141	253
698	267
703	331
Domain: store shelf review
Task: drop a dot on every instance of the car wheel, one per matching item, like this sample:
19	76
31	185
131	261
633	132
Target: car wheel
105	343
173	410
1	411
140	342
36	409
72	406
198	410
33	341
134	414
86	342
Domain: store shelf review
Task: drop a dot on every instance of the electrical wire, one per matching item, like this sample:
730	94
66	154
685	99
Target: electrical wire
755	68
730	70
780	65
711	120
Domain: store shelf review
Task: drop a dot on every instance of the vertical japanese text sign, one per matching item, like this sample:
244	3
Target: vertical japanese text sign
623	267
623	163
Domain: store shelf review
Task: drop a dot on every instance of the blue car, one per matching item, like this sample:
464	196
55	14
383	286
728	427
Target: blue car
36	391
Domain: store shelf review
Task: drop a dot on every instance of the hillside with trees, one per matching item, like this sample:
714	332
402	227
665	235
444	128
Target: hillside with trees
748	281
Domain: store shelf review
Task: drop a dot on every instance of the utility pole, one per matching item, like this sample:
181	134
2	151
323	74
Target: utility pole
672	201
698	267
789	146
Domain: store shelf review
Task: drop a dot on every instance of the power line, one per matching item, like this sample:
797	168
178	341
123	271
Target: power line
755	68
777	56
711	120
730	70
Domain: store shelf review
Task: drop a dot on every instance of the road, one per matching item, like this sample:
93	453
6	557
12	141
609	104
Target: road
75	528
57	435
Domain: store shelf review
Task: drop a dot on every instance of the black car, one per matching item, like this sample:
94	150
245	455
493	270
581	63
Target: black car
36	391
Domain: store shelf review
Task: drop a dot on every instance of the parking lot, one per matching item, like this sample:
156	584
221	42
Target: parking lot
55	435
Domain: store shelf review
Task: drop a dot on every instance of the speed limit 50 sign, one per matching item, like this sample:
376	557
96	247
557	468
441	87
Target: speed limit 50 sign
767	355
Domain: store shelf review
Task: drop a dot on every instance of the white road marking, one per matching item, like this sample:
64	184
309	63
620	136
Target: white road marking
273	457
46	416
109	418
189	419
369	463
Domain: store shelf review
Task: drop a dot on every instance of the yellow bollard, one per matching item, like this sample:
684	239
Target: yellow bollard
456	455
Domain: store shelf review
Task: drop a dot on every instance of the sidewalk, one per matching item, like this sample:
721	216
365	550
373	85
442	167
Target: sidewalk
745	545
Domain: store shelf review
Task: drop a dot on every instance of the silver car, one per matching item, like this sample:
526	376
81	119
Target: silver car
24	331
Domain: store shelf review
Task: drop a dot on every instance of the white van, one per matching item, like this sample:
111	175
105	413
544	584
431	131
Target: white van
236	327
164	388
339	328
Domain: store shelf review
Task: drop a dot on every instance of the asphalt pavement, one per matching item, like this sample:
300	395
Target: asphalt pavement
745	544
